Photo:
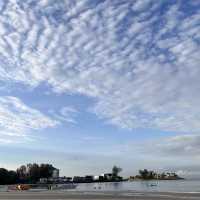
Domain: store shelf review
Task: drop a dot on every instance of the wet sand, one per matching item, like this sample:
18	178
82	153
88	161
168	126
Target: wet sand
59	195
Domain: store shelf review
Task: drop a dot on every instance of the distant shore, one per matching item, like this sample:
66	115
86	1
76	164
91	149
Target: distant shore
104	181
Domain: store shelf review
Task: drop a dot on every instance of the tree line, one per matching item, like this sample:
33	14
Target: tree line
115	171
30	173
148	175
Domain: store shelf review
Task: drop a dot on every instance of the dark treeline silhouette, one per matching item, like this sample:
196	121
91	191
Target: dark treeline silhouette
145	174
8	177
149	175
30	173
115	171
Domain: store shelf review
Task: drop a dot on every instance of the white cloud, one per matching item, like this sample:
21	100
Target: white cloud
65	114
184	145
6	141
18	121
142	70
141	5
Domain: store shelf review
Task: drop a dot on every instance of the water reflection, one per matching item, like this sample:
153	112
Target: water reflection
160	186
117	185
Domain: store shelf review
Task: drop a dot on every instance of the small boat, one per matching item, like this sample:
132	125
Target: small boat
23	187
153	184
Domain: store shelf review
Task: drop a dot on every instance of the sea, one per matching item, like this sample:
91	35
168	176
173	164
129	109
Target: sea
188	186
144	186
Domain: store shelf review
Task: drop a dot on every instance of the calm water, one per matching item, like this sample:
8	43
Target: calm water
159	186
148	186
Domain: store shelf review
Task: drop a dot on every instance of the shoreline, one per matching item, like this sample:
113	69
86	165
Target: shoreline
61	195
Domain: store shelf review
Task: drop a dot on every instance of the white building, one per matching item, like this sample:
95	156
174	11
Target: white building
96	178
55	173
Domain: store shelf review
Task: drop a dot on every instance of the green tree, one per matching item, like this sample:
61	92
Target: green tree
12	177
116	170
22	173
144	173
33	171
46	170
3	176
7	177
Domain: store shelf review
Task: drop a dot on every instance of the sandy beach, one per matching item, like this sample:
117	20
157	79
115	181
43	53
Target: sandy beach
59	195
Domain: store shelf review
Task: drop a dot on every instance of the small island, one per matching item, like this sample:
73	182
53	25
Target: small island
46	174
152	175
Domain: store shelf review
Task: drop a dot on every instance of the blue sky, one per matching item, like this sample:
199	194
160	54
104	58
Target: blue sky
88	84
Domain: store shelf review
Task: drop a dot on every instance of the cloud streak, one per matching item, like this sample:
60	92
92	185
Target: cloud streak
18	121
184	145
65	114
139	64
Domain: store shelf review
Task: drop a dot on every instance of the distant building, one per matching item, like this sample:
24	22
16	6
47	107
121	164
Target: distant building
55	173
78	179
101	178
89	178
108	176
67	179
43	180
96	178
171	175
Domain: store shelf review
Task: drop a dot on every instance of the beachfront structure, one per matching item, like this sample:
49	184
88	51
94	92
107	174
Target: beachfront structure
55	178
85	179
89	178
107	176
146	174
55	173
66	179
78	179
99	178
43	180
96	178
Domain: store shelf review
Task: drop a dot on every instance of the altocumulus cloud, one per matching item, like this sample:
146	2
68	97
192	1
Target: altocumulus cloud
17	121
65	114
138	59
185	145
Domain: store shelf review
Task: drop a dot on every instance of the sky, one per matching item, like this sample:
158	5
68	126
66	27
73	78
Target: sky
88	84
